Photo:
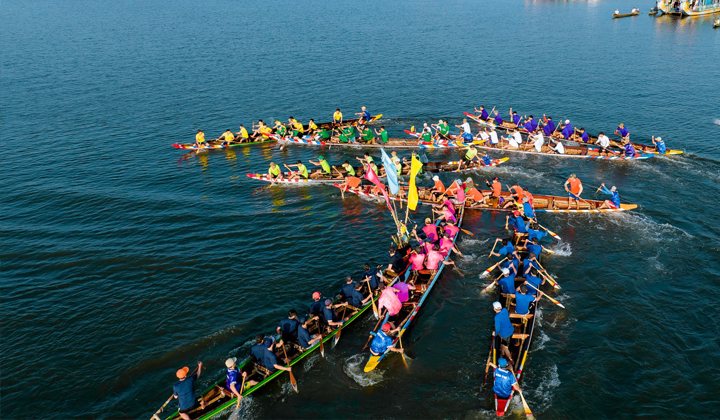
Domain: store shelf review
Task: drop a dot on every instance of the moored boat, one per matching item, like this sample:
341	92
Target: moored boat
622	15
699	7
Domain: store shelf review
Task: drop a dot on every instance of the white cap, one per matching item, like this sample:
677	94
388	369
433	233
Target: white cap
424	124
439	121
506	271
497	306
658	138
567	121
230	362
613	188
436	178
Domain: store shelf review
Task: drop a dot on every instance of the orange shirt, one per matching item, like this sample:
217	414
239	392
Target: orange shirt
574	185
497	188
529	197
518	191
439	186
450	192
475	194
353	181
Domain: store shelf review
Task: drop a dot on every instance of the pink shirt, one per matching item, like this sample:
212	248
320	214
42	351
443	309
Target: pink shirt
433	260
450	206
428	247
402	289
445	245
452	230
448	215
389	300
417	261
431	232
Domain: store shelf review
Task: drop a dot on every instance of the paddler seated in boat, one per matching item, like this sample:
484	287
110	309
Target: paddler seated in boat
506	281
629	150
523	299
515	118
398	164
496	187
337	117
363	116
347	134
538	140
396	264
316	308
382	341
617	12
312	128
382	134
434	258
326	171
514	140
567	130
503	329
474	196
227	137
535	282
485	159
557	147
470	155
466	131
549	126
371	276
438	189
442	130
324	135
274	172
506	248
446	245
445	212
429	230
288	328
581	136
184	391
268	360
280	129
305	339
574	191
518	223
497	119
351	293
494	141
659	144
530	124
199	139
531	262
527	209
614	201
417	262
426	135
603	141
301	172
482	113
503	379
512	264
330	315
366	135
532	245
351	183
242	135
234	378
516	191
483	136
389	301
297	128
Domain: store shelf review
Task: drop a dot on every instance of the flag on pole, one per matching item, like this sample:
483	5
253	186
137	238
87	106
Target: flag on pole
390	172
371	176
415	167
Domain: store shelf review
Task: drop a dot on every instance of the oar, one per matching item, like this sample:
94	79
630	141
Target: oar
528	413
487	364
456	269
551	299
374	306
293	382
547	276
403	353
553	234
337	336
490	286
155	416
467	232
382	318
489	270
322	346
241	391
494	245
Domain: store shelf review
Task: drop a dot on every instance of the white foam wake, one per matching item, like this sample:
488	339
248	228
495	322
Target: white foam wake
354	368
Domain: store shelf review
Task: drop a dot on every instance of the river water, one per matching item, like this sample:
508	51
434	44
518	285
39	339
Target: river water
124	259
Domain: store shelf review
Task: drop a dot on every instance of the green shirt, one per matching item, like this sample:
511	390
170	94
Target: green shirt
281	130
349	131
350	170
274	171
325	134
384	136
325	166
367	134
444	129
426	137
471	153
303	170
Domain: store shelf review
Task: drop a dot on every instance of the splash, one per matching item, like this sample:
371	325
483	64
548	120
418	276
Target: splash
716	121
310	362
354	368
540	341
563	249
543	393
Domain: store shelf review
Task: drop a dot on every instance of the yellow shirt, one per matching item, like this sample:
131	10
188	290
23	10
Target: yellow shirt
229	136
337	116
312	126
265	130
297	125
243	133
200	137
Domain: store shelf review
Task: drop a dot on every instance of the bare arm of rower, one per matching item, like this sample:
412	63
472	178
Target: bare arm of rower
200	366
280	367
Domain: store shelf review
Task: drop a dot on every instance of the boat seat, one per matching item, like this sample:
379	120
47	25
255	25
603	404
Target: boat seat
526	316
261	370
520	336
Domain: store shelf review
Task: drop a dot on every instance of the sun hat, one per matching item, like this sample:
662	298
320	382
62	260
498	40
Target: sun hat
230	362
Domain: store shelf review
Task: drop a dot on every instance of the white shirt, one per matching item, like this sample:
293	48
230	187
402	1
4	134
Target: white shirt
539	141
559	148
513	142
484	135
603	141
493	137
517	137
466	128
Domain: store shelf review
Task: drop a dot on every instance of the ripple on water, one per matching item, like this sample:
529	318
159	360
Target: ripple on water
542	395
562	249
354	368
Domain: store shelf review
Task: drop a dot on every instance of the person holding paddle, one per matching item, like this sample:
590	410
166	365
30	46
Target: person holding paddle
242	135
233	375
382	341
184	391
505	381
614	201
199	139
576	188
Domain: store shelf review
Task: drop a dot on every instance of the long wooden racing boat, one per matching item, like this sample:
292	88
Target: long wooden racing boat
316	176
622	15
509	125
541	203
423	284
219	144
524	327
352	121
702	7
218	398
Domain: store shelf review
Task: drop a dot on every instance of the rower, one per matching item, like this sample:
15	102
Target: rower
443	130
533	246
243	135
233	381
325	166
498	119
504	329
274	172
388	300
312	128
622	132
280	129
316	307
496	187
568	130
446	245
184	391
538	140
348	168
549	127
483	114
517	222
366	135
617	12
486	161
535	282
517	192
324	135
583	135
347	134
512	263
523	299
629	149
514	139
417	261
530	124
614	201
330	315
504	380
529	263
348	290
451	229
659	144
426	135
199	139
493	137
507	281
371	276
445	210
396	160
397	264
268	360
430	230
337	117
366	159
382	341
506	249
403	291
528	208
603	141
305	340
364	115
558	147
434	258
227	137
437	190
483	136
301	171
470	155
467	132
383	134
576	188
297	127
288	328
473	193
515	118
350	183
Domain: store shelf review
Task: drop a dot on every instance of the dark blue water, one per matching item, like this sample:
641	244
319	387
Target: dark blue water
122	261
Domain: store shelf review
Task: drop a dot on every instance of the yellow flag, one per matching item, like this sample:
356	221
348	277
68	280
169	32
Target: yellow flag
415	167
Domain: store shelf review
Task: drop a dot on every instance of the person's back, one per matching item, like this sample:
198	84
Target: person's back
380	343
185	392
503	326
522	303
388	299
504	381
403	291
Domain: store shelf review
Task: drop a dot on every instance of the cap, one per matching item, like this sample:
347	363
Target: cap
497	306
328	302
321	158
525	199
230	362
181	373
502	362
658	138
567	121
613	188
469	180
436	178
316	295
386	327
506	271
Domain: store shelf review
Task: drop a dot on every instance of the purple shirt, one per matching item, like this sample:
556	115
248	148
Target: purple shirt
567	131
623	131
484	114
402	289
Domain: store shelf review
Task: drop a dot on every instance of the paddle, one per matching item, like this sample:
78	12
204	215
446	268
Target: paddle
494	245
382	318
553	234
155	416
547	276
487	364
322	346
293	382
486	272
528	413
374	306
467	232
403	353
545	295
491	285
337	336
456	269
241	391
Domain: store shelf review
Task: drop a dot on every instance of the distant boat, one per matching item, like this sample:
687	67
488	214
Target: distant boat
699	7
635	13
653	11
717	23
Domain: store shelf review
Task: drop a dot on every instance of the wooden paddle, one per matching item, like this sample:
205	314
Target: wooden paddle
241	391
553	234
293	382
545	295
487	364
491	285
155	416
372	299
337	336
467	232
403	353
547	276
492	267
322	346
528	413
494	245
456	269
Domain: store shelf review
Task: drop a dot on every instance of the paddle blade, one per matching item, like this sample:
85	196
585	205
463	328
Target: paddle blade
489	286
372	363
322	348
412	129
293	382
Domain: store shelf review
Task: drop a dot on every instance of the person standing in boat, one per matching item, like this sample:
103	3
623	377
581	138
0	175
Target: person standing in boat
337	117
184	391
622	132
503	329
382	341
614	201
574	191
659	144
470	155
504	380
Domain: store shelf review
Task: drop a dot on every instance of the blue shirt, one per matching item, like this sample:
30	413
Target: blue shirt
529	212
498	119
257	351
516	119
185	391
535	249
533	124
508	283
512	262
347	291
303	337
532	233
366	115
534	281
268	360
519	224
522	303
623	131
547	129
503	326
567	131
629	150
528	126
486	160
372	273
288	329
328	314
232	378
504	381
507	249
585	137
484	115
380	343
660	146
316	307
614	196
527	263
356	298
